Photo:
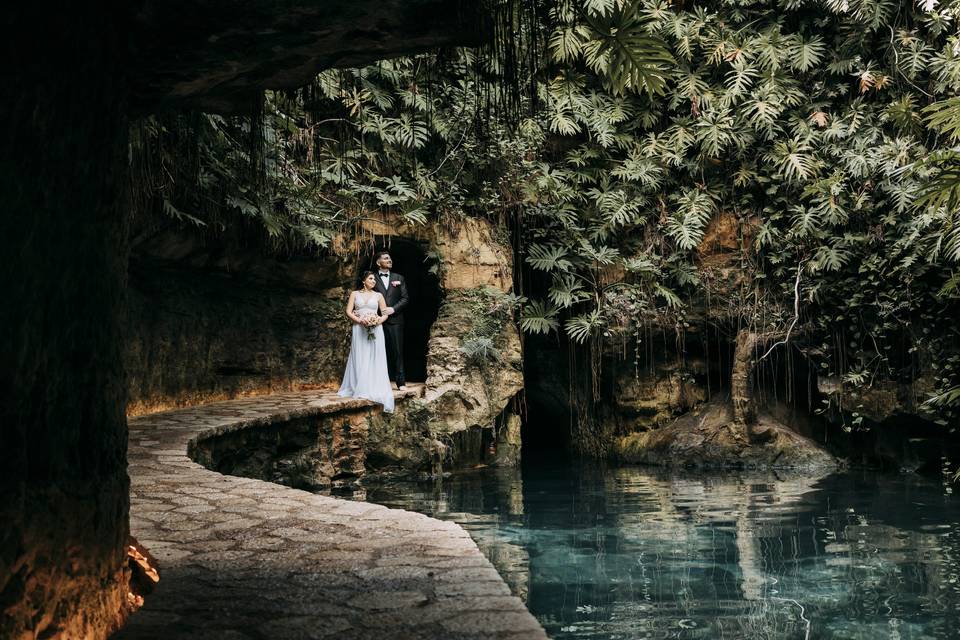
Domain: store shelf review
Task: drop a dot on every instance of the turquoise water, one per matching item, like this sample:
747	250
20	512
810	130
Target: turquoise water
608	552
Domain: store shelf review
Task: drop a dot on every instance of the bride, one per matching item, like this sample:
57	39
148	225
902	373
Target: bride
366	375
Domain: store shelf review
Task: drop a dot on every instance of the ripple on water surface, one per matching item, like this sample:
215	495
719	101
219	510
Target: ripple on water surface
614	552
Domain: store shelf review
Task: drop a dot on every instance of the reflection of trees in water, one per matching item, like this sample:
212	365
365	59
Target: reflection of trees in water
598	551
701	548
501	488
798	561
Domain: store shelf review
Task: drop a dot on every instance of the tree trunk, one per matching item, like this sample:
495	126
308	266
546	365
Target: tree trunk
741	382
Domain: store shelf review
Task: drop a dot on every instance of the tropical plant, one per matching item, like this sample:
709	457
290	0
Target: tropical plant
821	133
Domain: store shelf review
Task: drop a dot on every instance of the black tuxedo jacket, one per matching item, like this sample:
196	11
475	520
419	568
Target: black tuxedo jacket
394	295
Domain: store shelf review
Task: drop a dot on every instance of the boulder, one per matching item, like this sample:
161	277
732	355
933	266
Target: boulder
708	438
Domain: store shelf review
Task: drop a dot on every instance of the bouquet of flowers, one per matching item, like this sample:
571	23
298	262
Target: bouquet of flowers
371	323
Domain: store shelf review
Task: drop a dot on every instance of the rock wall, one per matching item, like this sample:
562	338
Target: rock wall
212	321
472	254
219	60
306	453
464	394
464	417
464	391
706	438
652	399
198	335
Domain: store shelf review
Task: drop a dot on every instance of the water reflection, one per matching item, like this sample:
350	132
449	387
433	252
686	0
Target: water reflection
628	553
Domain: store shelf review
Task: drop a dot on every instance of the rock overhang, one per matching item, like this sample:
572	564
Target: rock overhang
204	55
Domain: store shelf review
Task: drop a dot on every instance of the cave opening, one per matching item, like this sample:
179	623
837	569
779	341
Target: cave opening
412	260
546	429
786	385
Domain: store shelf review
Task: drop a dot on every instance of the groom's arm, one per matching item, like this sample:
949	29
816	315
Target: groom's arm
404	298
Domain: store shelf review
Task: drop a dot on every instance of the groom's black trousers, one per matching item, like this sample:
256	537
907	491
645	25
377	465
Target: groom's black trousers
393	336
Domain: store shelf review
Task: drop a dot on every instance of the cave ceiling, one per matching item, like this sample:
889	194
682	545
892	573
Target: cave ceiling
216	55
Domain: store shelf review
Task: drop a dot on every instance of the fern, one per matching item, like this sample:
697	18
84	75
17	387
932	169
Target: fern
602	255
944	117
616	206
416	217
480	350
409	132
672	299
794	160
806	222
177	214
829	259
948	398
805	54
687	223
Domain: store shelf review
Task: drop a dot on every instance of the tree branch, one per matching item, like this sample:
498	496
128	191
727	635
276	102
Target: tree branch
796	314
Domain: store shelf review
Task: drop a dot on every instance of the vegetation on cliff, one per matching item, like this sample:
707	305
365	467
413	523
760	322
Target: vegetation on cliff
782	172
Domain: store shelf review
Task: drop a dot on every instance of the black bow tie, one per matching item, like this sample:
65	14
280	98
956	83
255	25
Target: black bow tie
384	274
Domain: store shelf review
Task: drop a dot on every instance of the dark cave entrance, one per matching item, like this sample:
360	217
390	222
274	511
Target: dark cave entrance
547	418
410	260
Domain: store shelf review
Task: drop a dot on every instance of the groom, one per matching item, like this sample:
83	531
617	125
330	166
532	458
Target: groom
394	290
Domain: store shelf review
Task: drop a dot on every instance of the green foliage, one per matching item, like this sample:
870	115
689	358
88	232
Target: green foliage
487	311
819	134
479	350
806	128
538	317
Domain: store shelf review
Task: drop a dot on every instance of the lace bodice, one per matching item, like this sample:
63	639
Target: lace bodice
366	304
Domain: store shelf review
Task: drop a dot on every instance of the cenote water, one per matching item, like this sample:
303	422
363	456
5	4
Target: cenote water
626	552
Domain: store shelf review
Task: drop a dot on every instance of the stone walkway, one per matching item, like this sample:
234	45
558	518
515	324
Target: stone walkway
246	559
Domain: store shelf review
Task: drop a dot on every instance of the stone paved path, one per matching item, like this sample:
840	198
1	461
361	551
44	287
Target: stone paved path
246	559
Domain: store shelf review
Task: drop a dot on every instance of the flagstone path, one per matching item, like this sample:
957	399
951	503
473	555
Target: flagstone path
247	559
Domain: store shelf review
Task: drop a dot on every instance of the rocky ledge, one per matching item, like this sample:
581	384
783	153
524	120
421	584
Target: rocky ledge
242	558
709	438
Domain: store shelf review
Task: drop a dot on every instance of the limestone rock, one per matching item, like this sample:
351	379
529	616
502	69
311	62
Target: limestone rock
707	438
881	400
462	394
651	401
470	251
196	336
472	257
509	443
305	452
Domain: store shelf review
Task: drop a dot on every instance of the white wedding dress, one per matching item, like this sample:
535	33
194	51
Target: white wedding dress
366	375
